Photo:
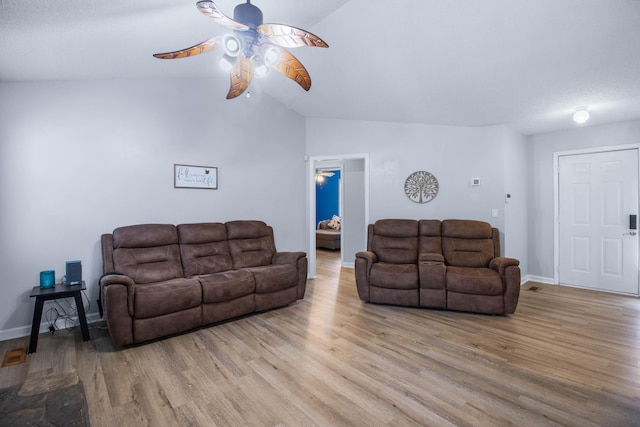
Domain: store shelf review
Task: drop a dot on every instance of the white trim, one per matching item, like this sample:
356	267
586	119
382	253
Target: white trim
539	279
556	196
25	331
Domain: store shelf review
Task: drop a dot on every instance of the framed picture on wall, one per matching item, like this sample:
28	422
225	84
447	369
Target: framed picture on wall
189	176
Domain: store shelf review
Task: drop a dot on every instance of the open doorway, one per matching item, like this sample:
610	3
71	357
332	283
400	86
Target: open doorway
353	202
328	208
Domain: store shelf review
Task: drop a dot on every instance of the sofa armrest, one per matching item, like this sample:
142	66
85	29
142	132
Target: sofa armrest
119	279
118	291
287	257
300	262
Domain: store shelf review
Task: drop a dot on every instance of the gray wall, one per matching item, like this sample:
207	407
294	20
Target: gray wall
516	213
354	236
453	154
541	203
78	159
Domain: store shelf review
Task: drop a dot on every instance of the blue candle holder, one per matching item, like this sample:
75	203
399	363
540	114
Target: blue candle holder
47	279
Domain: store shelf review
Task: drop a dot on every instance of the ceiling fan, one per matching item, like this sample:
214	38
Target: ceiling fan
320	175
252	48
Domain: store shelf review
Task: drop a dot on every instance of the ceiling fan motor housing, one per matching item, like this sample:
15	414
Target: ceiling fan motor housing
248	14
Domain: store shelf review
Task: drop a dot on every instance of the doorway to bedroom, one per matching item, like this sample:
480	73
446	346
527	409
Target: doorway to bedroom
352	205
328	208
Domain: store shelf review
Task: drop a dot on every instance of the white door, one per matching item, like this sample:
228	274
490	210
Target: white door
598	194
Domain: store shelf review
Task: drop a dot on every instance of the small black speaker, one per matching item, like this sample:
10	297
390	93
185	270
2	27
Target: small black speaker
74	273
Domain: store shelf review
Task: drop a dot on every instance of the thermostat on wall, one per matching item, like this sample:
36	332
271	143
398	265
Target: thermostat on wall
475	181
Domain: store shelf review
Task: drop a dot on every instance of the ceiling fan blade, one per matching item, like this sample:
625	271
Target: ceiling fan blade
241	77
287	36
289	66
210	9
203	47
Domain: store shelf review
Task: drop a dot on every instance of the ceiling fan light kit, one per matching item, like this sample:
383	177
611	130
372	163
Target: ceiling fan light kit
253	48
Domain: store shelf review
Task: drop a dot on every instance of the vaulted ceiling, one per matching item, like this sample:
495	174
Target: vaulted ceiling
521	63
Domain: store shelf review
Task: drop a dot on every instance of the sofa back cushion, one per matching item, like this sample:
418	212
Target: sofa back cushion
467	243
147	253
430	239
394	240
204	248
251	243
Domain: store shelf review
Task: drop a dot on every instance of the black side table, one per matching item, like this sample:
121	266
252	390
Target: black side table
59	291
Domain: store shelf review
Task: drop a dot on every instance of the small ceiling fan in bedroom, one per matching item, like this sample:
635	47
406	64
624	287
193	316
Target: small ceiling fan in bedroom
252	48
322	175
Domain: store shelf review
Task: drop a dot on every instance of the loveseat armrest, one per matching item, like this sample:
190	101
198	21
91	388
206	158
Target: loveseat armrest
368	256
364	262
500	264
509	271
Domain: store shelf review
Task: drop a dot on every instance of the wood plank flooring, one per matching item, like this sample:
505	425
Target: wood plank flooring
566	357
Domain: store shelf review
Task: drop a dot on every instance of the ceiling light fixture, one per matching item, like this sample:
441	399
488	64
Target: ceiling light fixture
253	47
581	115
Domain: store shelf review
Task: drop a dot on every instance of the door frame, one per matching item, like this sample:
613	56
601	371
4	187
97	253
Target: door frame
556	196
311	199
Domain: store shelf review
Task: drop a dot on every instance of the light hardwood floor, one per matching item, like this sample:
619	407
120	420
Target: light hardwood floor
566	357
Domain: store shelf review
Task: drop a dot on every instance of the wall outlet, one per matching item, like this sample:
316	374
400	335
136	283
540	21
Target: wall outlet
494	213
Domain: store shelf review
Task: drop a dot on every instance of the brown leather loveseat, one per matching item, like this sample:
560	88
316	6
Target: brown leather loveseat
162	279
452	264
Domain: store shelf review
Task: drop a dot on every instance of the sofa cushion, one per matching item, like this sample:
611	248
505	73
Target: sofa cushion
156	299
467	243
227	285
251	243
147	253
271	278
145	236
394	276
478	281
204	248
149	265
395	240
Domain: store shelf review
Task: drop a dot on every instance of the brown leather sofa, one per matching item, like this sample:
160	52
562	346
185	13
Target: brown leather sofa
162	279
450	264
327	237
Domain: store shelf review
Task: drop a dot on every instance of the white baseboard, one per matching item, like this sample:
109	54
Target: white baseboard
25	331
349	265
539	279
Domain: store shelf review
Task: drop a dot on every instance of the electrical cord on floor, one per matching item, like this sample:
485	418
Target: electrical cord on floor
67	313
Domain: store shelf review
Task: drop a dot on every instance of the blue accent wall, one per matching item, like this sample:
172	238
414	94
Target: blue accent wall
327	197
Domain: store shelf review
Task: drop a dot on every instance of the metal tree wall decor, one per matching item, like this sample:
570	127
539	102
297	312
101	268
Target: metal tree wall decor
421	187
